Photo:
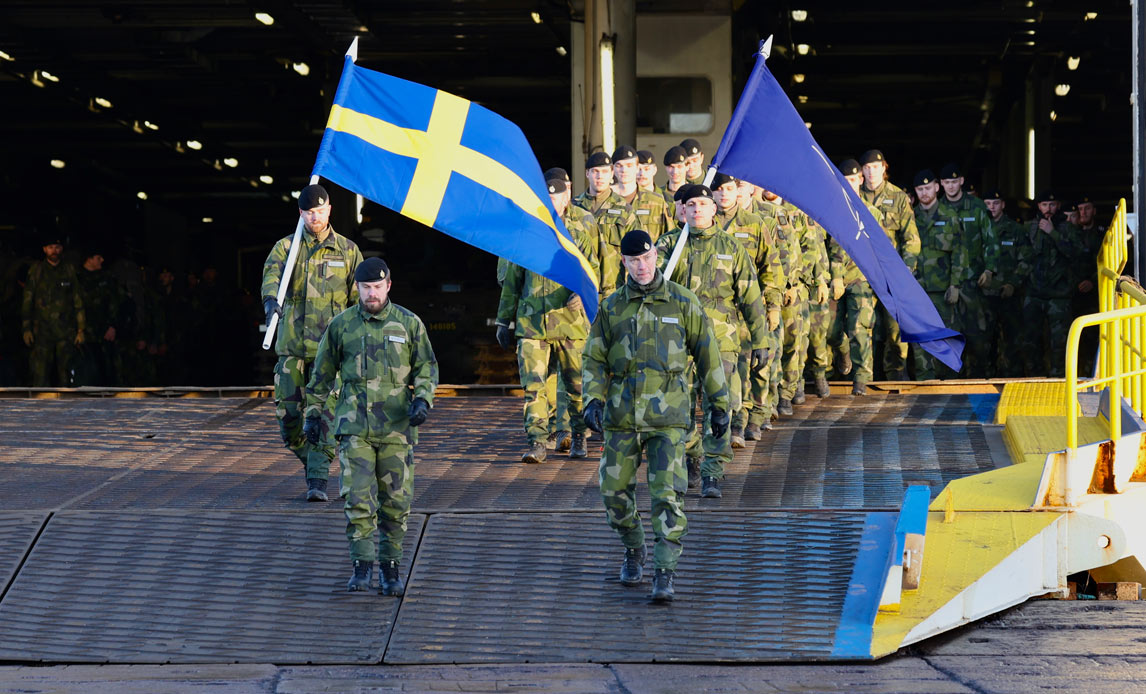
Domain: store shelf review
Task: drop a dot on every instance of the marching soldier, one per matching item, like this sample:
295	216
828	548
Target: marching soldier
694	159
1008	305
653	214
103	301
636	369
676	168
381	353
771	206
321	286
53	317
942	260
1049	261
614	219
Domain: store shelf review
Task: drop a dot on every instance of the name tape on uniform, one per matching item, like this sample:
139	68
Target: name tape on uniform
336	263
670	319
721	256
396	338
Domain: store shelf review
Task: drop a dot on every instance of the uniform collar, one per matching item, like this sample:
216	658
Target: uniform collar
312	240
653	290
381	315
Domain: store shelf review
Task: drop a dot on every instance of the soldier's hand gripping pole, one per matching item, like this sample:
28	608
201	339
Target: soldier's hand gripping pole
683	239
284	281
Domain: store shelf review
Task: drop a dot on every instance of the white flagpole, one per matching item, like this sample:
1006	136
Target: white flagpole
292	255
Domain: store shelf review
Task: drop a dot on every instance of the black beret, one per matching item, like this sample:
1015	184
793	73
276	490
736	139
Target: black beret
1085	199
557	172
924	177
1070	207
849	167
721	178
679	195
312	196
53	239
644	156
1046	196
371	270
870	156
556	185
950	170
675	155
624	152
598	159
993	194
636	242
697	191
690	146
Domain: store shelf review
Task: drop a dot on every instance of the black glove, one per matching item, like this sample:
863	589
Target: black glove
418	411
504	338
719	421
594	414
312	430
759	357
271	307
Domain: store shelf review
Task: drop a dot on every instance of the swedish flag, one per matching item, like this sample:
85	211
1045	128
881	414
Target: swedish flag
452	165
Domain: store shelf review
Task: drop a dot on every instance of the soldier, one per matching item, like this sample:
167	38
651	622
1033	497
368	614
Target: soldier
1008	305
854	318
103	300
53	317
1049	262
381	353
718	270
676	168
614	219
942	259
694	159
759	238
821	310
1091	235
771	206
972	314
321	286
646	171
899	223
551	328
652	212
636	364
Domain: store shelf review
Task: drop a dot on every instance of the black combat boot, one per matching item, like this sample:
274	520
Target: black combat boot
390	579
859	388
785	406
578	449
798	398
736	437
752	433
710	488
632	568
897	375
662	585
693	465
361	578
845	366
823	390
315	489
564	441
535	454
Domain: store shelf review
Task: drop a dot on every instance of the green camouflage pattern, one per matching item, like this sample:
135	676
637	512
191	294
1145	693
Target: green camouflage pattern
536	361
1012	238
377	482
943	258
715	452
102	298
814	256
321	286
897	219
759	237
928	367
787	246
385	361
653	214
614	219
1046	321
851	329
795	320
290	378
1049	260
53	311
979	238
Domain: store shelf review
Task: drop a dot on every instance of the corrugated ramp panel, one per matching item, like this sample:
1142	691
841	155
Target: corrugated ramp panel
204	587
544	588
1033	398
881	409
17	530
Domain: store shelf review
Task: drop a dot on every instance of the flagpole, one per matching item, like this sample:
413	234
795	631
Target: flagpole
292	255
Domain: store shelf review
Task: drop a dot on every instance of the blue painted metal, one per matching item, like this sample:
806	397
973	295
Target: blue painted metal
865	587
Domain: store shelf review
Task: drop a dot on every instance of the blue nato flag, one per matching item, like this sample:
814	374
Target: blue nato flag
452	165
768	144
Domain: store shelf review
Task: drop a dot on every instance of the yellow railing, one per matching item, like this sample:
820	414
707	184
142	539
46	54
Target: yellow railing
1122	336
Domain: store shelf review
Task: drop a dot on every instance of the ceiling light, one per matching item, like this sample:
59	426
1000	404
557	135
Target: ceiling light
179	147
265	18
100	101
294	194
798	78
803	48
808	124
58	163
141	195
208	220
194	144
136	127
535	16
561	51
149	125
362	28
267	178
49	76
1062	89
802	99
231	162
253	182
799	15
1072	63
5	56
1053	116
1089	16
301	68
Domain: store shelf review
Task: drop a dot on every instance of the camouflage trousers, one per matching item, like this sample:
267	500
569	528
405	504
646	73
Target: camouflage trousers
291	376
796	324
668	480
96	363
852	329
1045	325
894	350
764	382
378	484
974	320
51	361
928	367
558	401
819	354
536	360
717	452
1008	337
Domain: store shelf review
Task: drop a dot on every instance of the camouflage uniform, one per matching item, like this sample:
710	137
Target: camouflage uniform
103	298
1012	238
899	223
942	264
637	362
321	286
668	196
384	361
614	219
854	316
53	311
718	270
972	314
1048	261
787	245
809	270
820	316
653	214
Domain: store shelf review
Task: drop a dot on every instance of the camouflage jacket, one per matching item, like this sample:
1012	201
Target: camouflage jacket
1012	238
898	219
788	239
760	240
812	268
652	213
384	361
1049	260
668	196
718	270
1090	241
52	302
614	220
321	286
841	264
103	300
978	235
639	352
943	258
